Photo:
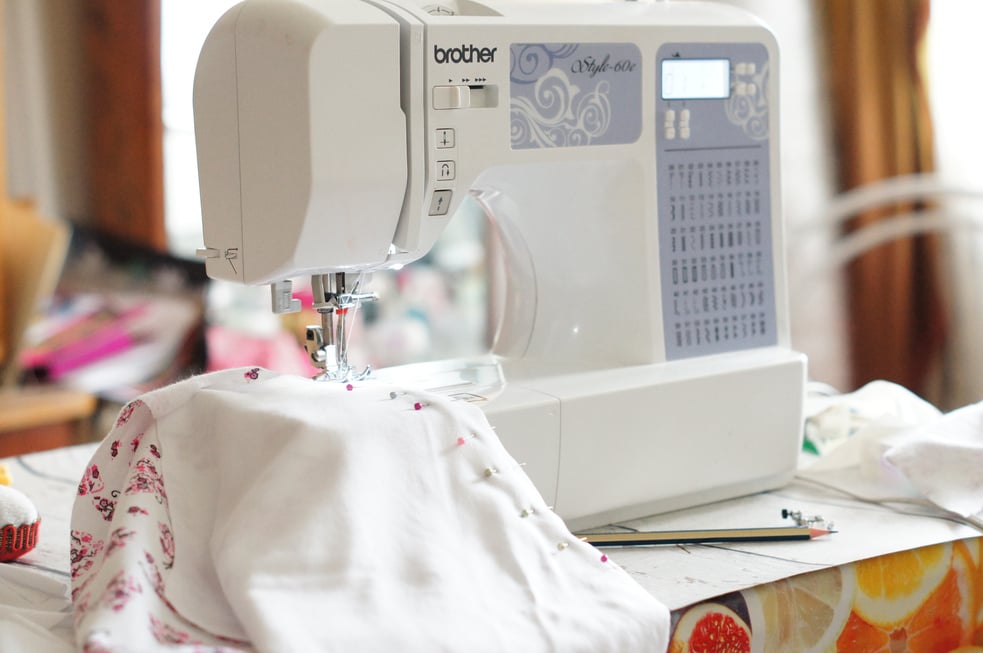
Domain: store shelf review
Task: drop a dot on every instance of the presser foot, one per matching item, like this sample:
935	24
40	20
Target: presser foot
321	352
327	343
348	375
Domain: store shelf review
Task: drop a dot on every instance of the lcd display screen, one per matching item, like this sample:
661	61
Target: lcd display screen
695	79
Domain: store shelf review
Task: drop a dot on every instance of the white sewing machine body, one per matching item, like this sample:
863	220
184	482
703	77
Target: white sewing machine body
627	153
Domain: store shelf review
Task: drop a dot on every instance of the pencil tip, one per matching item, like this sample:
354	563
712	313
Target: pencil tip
819	532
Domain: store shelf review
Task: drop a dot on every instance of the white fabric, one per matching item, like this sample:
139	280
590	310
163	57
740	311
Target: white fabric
902	446
851	429
944	460
250	511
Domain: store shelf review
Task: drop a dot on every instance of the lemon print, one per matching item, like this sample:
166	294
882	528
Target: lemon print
802	613
891	587
969	551
966	560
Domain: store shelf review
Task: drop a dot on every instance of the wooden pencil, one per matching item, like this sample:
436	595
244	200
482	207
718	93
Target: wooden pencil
641	538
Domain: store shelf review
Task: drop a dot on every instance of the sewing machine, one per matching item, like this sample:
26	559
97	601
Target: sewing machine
628	155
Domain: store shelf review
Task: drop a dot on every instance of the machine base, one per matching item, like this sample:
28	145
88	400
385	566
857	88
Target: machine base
611	445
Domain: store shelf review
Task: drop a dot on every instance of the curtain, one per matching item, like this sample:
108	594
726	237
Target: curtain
121	44
882	128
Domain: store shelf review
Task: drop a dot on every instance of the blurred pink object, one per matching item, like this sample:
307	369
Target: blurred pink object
228	348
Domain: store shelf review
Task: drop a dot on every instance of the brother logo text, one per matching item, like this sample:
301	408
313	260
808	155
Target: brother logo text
464	54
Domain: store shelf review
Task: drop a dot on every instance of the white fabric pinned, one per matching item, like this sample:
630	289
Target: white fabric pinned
245	511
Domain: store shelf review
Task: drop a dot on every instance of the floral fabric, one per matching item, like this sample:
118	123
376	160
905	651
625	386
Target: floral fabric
248	511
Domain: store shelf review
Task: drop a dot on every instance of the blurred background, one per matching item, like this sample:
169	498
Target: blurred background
100	212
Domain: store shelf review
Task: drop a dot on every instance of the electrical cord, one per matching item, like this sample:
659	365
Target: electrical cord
891	503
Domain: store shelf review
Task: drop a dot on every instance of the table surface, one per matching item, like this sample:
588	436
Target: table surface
678	575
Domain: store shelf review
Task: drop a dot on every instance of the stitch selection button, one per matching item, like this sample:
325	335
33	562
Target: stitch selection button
446	170
445	138
440	202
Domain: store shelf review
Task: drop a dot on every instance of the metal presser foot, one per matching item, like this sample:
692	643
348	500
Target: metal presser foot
327	343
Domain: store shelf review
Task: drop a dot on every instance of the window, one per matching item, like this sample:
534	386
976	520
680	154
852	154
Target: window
184	26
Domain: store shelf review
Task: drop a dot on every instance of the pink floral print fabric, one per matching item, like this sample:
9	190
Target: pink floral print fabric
247	511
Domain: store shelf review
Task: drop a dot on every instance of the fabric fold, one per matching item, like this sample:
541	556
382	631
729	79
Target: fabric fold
245	510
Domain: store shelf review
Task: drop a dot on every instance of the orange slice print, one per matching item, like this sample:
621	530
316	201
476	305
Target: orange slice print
891	587
942	623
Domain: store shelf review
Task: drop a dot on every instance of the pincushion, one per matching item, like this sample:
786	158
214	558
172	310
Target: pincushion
18	524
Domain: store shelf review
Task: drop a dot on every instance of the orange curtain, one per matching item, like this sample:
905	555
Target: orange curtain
882	128
121	42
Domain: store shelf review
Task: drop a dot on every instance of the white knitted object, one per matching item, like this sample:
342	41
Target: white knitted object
19	524
15	508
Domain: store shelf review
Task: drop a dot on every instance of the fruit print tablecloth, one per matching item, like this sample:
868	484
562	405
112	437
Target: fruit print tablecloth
927	600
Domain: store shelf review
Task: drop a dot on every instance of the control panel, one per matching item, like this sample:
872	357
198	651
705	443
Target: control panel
715	214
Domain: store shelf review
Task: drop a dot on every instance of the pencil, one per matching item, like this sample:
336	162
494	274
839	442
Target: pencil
700	536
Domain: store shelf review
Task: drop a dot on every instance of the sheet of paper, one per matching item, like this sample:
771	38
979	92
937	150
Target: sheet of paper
680	575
